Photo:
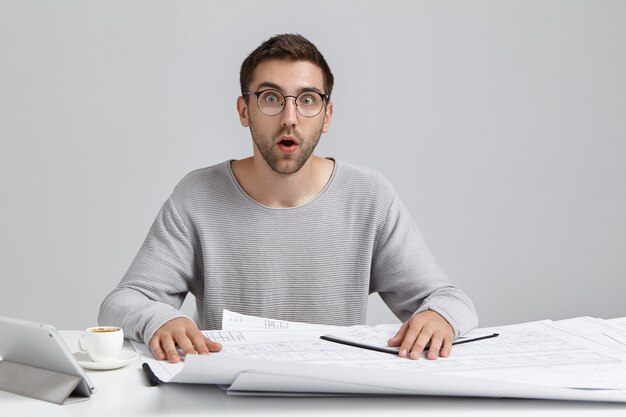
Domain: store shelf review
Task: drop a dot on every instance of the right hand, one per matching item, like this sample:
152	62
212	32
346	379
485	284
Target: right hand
183	333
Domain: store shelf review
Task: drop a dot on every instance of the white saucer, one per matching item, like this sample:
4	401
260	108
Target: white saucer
125	357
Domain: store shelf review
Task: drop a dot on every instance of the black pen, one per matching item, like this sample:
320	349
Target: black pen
489	336
153	380
352	343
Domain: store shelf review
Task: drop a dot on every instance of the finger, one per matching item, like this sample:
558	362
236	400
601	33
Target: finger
199	342
397	339
170	349
213	346
203	344
420	344
409	341
447	347
435	346
155	347
184	343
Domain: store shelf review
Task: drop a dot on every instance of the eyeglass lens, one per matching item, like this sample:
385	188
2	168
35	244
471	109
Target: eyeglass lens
272	102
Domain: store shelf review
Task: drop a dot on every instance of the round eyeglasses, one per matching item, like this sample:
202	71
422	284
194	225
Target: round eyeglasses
272	102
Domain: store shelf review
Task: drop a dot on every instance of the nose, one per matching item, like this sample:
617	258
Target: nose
289	114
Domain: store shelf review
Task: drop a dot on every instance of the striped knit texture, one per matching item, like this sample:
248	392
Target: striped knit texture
315	263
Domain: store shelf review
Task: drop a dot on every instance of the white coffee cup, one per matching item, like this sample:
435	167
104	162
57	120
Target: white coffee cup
102	343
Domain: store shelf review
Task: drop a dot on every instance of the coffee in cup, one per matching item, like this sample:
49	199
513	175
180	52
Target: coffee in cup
102	343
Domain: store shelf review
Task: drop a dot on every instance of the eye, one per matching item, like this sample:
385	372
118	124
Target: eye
271	99
308	99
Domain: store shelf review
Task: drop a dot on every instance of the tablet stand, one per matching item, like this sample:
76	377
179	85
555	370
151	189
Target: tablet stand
39	383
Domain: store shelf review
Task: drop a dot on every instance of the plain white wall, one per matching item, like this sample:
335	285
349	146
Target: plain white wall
502	125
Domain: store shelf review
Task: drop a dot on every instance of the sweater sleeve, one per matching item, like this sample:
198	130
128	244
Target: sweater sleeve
408	279
156	283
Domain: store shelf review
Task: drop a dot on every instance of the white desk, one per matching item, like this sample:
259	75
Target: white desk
125	392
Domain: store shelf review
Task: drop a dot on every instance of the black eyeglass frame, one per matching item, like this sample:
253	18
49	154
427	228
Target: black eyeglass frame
295	100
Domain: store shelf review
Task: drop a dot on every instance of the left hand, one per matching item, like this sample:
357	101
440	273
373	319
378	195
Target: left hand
418	331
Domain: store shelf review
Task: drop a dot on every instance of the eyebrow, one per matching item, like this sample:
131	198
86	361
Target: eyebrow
267	84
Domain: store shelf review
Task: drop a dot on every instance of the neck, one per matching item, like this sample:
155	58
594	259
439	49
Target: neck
274	190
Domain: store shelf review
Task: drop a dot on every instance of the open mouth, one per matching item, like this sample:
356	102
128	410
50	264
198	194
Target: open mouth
288	146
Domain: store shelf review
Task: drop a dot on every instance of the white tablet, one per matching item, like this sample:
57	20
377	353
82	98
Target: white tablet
39	345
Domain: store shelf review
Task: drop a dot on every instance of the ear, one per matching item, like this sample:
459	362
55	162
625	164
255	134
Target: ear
242	109
328	114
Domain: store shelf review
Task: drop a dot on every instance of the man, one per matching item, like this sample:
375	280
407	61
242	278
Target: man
285	234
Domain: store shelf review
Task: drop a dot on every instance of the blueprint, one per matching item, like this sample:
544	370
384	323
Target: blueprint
579	358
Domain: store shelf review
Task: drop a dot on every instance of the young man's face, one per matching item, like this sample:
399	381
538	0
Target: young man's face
286	140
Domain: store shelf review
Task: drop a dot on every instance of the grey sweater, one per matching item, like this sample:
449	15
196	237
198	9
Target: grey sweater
315	263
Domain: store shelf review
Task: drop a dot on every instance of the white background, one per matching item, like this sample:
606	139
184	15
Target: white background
502	124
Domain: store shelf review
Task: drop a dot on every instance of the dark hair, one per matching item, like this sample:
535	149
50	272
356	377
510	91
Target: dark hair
292	47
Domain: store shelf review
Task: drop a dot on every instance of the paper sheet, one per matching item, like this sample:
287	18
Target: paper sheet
236	321
548	356
541	354
611	333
